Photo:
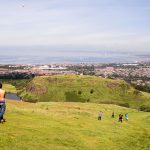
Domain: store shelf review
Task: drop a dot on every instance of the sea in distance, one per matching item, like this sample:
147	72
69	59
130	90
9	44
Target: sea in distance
105	58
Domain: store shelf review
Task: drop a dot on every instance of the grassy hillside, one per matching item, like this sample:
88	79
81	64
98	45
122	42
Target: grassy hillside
9	88
72	126
71	88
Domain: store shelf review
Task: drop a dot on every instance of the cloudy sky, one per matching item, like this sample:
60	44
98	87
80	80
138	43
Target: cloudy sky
74	25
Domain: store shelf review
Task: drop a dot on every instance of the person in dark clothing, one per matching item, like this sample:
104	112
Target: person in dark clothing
113	115
120	118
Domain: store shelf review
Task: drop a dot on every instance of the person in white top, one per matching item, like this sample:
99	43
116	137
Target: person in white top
100	114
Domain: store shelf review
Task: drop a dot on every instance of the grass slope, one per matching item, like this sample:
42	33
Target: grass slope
9	88
72	88
72	126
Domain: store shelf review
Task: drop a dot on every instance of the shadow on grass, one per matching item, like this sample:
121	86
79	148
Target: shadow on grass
73	96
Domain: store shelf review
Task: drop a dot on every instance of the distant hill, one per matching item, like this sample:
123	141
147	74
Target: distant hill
75	88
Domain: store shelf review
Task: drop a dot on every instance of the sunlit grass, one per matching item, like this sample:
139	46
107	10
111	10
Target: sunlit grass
9	88
72	126
74	88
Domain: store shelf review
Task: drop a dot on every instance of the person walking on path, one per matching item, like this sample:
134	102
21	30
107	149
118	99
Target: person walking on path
120	118
2	104
100	114
113	115
126	116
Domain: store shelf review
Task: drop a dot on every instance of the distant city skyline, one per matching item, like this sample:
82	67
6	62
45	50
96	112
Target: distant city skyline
74	27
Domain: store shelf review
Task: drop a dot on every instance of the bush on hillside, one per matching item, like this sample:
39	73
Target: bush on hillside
29	98
73	96
125	105
79	92
144	88
88	100
145	108
116	103
92	91
137	93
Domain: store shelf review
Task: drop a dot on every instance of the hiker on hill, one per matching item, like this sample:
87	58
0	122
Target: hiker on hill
126	116
100	114
113	115
120	118
2	104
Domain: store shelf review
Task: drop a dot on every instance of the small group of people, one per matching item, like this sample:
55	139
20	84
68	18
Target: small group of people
2	104
100	114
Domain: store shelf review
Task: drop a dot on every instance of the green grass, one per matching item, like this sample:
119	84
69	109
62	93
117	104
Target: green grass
9	88
72	88
73	126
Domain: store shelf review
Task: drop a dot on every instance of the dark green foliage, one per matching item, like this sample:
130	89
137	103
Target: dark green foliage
31	100
116	103
72	96
20	84
28	98
125	105
92	91
137	92
17	75
145	108
144	88
79	92
88	100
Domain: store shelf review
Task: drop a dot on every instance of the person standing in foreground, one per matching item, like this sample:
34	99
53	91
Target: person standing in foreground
2	104
100	115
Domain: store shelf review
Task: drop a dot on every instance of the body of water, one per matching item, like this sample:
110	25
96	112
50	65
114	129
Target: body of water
109	58
12	96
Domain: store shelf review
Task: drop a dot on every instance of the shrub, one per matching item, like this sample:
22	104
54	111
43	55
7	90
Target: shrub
31	100
145	108
92	91
88	100
79	92
136	92
125	105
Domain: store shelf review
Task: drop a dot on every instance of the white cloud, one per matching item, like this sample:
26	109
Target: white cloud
98	41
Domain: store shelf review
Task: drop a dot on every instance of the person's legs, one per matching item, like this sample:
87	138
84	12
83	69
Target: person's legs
99	118
2	111
1	118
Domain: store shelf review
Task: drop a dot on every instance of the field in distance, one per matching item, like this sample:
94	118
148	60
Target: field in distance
72	126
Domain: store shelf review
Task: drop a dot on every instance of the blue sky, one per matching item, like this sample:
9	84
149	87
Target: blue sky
74	25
